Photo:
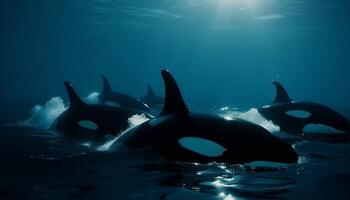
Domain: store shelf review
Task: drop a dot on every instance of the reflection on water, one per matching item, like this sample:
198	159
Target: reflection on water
69	168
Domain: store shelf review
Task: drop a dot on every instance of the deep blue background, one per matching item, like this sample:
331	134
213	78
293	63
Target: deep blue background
222	52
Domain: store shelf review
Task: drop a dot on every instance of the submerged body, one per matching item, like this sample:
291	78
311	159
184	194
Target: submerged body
123	100
151	98
178	134
82	119
281	111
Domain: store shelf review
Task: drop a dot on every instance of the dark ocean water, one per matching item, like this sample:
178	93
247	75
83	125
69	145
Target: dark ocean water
41	164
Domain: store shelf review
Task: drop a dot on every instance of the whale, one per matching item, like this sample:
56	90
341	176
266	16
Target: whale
116	98
92	120
293	117
151	99
178	134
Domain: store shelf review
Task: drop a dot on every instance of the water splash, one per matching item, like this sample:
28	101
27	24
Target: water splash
137	120
42	116
133	121
92	98
253	116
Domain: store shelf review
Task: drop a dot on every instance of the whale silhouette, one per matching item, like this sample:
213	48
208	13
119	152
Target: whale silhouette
82	119
178	134
293	116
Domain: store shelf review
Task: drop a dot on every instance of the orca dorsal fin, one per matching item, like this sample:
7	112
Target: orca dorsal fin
281	94
173	103
106	86
150	92
74	99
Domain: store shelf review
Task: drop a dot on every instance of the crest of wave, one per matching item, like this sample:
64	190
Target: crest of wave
254	116
42	116
133	121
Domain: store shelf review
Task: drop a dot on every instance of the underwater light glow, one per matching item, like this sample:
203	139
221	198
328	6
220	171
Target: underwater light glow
218	183
229	197
226	197
229	118
239	4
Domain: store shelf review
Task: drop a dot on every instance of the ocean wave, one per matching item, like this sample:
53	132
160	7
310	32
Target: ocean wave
42	116
253	116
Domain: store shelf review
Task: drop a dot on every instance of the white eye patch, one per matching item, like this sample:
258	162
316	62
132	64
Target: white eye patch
320	128
88	124
299	113
202	146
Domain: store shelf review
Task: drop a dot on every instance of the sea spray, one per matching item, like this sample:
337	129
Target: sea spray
133	121
42	116
253	116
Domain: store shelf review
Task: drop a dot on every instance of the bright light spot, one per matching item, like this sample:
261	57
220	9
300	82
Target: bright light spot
86	144
228	118
222	194
218	183
229	197
222	167
224	108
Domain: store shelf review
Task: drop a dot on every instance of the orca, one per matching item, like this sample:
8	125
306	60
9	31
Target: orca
151	98
178	134
123	100
82	119
293	117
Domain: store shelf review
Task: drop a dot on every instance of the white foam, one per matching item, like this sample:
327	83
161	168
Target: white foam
137	120
42	116
253	116
133	121
92	98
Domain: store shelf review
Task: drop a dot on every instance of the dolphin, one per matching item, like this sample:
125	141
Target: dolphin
82	119
293	116
124	100
151	98
178	134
